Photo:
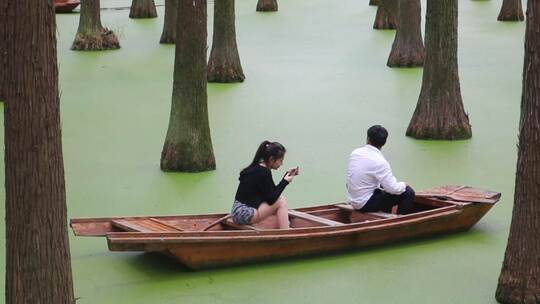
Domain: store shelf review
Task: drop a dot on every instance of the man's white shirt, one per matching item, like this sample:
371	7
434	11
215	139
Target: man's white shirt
369	170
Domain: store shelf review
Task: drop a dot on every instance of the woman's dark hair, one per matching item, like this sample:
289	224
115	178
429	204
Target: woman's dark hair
266	150
377	135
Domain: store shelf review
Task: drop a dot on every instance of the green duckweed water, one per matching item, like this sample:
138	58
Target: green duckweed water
315	80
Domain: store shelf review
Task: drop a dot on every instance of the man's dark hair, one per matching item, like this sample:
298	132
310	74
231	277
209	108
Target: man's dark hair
377	136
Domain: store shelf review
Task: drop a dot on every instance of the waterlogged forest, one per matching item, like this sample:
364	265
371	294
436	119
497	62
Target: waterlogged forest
146	127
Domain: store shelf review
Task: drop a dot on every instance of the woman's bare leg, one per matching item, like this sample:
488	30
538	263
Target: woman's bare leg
279	208
283	213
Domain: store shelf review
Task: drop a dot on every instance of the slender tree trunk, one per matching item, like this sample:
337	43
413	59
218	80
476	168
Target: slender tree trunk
143	9
408	48
374	2
91	35
519	281
188	146
169	24
38	268
3	43
267	6
224	63
386	18
439	113
511	11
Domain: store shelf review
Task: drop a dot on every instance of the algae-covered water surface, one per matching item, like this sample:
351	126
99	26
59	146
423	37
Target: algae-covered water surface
316	79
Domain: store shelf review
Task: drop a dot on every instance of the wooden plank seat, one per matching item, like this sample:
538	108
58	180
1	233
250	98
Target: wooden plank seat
230	223
314	218
144	225
350	208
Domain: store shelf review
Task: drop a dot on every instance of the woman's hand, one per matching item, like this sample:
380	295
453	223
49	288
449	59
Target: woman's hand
291	173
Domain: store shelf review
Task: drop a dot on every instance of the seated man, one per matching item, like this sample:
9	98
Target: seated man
371	186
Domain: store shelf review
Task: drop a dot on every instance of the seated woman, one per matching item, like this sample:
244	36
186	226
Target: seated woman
257	197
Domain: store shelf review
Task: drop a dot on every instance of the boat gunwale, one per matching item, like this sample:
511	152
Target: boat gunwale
97	220
295	233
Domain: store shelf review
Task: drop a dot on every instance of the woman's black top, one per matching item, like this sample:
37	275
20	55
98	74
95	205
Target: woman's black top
257	186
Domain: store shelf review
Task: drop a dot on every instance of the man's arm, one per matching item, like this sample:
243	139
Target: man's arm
389	182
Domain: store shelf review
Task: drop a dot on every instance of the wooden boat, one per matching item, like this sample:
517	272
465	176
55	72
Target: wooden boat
65	6
203	241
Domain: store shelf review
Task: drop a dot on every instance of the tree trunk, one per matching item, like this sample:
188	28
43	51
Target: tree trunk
374	2
408	48
386	18
267	6
38	268
439	113
169	24
91	35
519	281
3	43
511	11
188	146
224	64
143	9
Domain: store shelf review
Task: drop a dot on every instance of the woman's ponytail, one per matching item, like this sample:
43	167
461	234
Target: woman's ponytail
266	150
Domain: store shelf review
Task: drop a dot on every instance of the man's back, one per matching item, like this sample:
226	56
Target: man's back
368	170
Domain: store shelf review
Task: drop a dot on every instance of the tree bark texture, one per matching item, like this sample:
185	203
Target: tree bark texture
408	47
3	43
168	36
38	268
511	11
188	145
439	112
387	14
374	2
267	6
141	9
519	281
224	63
91	35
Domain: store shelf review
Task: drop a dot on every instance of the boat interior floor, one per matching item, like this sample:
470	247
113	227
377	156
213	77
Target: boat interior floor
330	215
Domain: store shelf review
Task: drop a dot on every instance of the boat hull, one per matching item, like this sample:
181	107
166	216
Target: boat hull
207	252
205	241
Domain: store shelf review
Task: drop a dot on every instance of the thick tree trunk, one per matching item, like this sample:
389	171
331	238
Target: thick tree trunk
188	146
38	268
224	63
519	281
169	24
386	18
91	35
408	48
374	2
511	11
143	9
439	113
267	6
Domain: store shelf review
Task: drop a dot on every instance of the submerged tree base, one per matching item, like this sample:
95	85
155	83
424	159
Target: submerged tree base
439	127
267	6
517	293
439	114
176	158
406	58
225	73
511	16
104	40
167	39
511	10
